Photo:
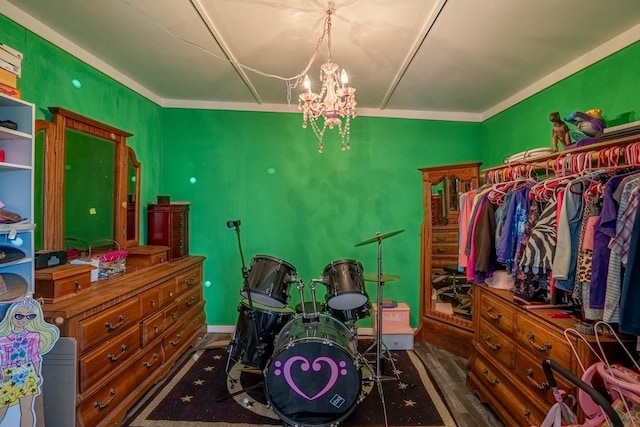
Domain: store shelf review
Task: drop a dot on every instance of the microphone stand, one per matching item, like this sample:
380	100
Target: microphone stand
245	288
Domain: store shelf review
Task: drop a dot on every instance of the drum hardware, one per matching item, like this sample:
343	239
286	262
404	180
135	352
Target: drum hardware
378	344
245	275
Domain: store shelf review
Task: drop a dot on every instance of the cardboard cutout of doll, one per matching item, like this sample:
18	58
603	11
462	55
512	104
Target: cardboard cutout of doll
24	338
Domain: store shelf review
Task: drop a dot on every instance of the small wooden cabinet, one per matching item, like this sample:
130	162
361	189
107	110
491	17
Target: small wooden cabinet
439	323
169	226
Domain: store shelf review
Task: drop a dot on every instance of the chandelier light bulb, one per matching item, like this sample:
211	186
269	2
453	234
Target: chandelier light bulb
307	84
344	79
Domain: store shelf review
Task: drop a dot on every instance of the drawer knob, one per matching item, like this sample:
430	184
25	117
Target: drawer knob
441	250
191	301
496	317
532	340
113	358
78	285
540	386
527	414
101	405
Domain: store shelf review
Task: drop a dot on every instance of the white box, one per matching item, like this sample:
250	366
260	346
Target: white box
399	341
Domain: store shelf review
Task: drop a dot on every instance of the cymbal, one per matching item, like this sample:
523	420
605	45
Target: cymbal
384	278
379	236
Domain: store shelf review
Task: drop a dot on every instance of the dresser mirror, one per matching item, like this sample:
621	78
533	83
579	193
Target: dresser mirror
91	192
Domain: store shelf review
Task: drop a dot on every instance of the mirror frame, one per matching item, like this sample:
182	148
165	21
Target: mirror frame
132	162
53	227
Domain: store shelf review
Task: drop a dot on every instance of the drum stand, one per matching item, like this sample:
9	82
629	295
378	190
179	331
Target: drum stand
378	343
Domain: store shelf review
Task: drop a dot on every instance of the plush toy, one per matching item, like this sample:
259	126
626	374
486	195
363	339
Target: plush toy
590	126
559	131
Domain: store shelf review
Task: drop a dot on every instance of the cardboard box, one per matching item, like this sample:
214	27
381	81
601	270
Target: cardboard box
7	78
393	317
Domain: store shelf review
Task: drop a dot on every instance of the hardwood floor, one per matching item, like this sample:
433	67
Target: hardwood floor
446	369
449	372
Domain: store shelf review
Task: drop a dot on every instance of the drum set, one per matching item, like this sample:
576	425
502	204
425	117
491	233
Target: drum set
312	371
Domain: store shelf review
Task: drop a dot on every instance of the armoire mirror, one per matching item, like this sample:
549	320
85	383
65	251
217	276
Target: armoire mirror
91	183
446	296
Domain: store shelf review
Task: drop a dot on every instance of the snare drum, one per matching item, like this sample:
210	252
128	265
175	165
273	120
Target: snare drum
313	378
346	285
269	280
268	322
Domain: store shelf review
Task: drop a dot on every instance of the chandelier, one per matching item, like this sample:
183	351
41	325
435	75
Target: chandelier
336	100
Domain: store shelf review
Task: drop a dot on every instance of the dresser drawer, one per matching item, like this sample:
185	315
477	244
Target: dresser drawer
108	323
96	408
442	261
541	341
188	300
151	328
189	280
168	291
173	341
149	301
497	344
108	357
447	235
497	312
150	362
445	249
523	409
529	371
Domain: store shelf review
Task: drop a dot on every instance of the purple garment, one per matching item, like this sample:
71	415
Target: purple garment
513	228
605	229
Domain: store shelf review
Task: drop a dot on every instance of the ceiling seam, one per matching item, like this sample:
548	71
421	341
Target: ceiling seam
426	29
215	34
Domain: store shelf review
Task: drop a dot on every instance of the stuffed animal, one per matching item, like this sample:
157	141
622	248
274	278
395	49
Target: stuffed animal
590	126
559	131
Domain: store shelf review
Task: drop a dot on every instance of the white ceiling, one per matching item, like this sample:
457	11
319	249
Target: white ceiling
457	59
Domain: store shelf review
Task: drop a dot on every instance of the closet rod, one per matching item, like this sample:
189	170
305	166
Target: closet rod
545	162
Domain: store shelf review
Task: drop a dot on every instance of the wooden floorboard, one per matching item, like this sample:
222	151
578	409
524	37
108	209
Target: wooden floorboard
449	373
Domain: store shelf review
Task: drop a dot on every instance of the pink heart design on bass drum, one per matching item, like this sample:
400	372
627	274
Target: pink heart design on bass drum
316	365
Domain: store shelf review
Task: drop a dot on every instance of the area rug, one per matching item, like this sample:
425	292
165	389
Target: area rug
210	391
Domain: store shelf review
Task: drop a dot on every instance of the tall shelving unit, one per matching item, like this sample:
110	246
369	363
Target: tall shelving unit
16	186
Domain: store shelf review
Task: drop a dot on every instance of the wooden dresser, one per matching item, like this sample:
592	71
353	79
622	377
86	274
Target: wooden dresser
510	343
130	331
168	225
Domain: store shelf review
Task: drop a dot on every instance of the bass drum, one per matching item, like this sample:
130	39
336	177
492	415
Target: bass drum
313	378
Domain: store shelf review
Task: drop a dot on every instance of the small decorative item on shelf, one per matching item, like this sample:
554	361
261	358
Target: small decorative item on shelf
111	263
590	126
559	131
164	200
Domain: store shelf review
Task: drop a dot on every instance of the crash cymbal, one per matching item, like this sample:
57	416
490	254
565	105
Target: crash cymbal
384	278
379	236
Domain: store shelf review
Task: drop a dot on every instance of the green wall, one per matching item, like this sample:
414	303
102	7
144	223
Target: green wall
47	74
611	84
307	208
